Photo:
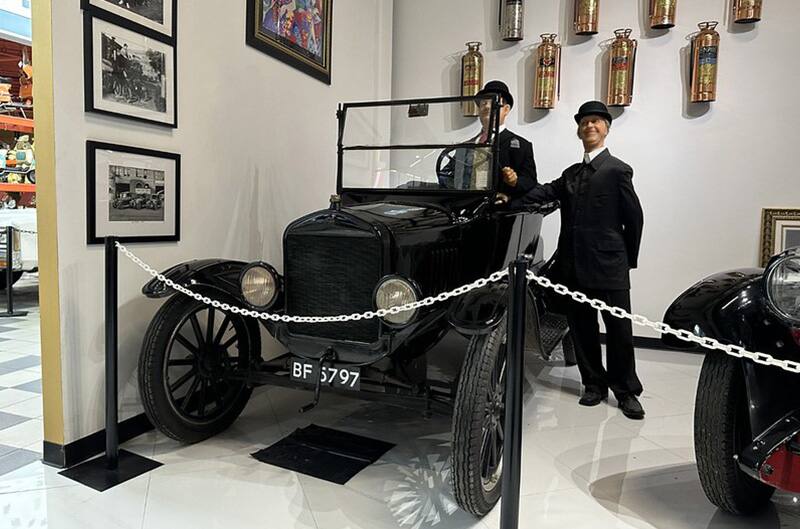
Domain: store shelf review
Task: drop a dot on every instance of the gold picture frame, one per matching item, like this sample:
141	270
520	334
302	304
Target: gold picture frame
780	230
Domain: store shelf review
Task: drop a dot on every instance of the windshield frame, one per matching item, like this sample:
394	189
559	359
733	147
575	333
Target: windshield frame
494	126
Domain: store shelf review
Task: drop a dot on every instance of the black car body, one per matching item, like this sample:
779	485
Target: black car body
747	415
421	239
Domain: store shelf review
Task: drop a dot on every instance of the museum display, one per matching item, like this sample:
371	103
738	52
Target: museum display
547	84
143	16
132	193
621	69
703	66
746	11
412	217
512	20
586	17
747	415
26	253
128	74
662	14
471	77
780	230
297	33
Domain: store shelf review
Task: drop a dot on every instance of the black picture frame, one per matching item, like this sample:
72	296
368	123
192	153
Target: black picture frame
95	235
110	108
134	22
288	52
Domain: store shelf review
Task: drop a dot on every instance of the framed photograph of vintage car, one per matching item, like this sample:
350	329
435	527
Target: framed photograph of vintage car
780	230
157	17
297	32
128	74
132	193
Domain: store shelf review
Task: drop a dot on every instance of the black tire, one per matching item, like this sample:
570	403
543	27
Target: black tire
478	423
721	431
14	278
170	362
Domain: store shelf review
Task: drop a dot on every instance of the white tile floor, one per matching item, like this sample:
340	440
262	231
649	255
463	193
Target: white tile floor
582	467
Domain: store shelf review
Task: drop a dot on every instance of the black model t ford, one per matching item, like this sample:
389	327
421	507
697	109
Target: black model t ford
414	217
747	415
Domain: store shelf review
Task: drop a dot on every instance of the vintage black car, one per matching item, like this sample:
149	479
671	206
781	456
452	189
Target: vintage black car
747	415
401	228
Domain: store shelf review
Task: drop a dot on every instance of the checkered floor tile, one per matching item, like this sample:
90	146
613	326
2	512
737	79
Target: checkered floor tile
20	379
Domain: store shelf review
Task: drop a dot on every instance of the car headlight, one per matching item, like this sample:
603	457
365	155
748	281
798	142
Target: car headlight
783	285
259	286
394	292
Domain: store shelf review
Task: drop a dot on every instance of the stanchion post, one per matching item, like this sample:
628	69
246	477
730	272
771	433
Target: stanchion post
112	435
10	275
515	347
115	466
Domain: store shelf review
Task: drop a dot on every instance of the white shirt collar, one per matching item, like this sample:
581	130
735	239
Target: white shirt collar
588	157
500	129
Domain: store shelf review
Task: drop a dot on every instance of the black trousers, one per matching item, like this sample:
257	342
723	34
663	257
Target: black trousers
620	373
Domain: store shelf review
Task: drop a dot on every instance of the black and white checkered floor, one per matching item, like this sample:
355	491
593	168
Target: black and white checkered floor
20	379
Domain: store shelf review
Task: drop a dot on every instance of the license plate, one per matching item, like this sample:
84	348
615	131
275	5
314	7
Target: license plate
337	376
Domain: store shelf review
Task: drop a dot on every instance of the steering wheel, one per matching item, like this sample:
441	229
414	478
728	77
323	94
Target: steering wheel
445	167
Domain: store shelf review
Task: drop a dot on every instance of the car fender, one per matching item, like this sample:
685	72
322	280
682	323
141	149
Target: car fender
219	275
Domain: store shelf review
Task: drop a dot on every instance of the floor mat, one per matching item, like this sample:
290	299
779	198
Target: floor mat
324	453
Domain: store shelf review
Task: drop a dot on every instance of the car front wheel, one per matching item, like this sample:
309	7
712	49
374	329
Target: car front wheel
721	432
189	352
478	422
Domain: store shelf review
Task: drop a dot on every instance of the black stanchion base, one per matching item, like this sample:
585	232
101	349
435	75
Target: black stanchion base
12	314
94	474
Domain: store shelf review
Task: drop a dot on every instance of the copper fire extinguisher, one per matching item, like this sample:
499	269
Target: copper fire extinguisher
512	19
705	53
547	86
662	14
746	11
586	16
621	68
471	77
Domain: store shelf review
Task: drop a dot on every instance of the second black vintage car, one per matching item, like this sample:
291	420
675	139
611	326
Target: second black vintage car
747	414
414	216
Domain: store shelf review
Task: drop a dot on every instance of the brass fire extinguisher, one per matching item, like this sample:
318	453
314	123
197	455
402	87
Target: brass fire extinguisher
471	77
746	11
621	68
662	14
512	19
586	16
547	87
705	53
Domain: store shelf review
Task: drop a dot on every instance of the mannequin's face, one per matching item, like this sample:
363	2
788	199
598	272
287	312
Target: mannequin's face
485	111
592	130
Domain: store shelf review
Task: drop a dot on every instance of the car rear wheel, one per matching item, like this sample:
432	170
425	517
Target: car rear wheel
189	351
721	431
478	422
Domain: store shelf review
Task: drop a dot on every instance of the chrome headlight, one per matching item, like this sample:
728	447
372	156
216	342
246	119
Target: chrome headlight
782	282
259	285
394	292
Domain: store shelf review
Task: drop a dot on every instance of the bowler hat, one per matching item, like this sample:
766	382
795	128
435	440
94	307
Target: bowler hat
498	87
593	108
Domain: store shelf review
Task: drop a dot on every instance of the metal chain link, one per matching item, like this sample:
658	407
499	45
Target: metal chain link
580	297
24	231
663	328
380	313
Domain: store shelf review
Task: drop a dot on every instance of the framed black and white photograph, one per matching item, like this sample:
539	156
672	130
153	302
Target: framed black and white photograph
132	193
780	230
157	17
128	74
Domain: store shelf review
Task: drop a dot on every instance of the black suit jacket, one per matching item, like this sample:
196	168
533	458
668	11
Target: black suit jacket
601	222
514	151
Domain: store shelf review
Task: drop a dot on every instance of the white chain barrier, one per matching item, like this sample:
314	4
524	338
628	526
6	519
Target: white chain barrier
663	328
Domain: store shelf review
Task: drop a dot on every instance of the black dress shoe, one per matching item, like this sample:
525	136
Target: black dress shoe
592	398
631	408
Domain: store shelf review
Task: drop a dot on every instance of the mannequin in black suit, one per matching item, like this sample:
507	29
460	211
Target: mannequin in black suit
517	166
601	229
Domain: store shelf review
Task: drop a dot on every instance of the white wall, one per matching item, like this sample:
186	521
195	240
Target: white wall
258	146
703	173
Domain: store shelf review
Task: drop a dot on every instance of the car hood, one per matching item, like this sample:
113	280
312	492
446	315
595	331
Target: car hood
401	217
